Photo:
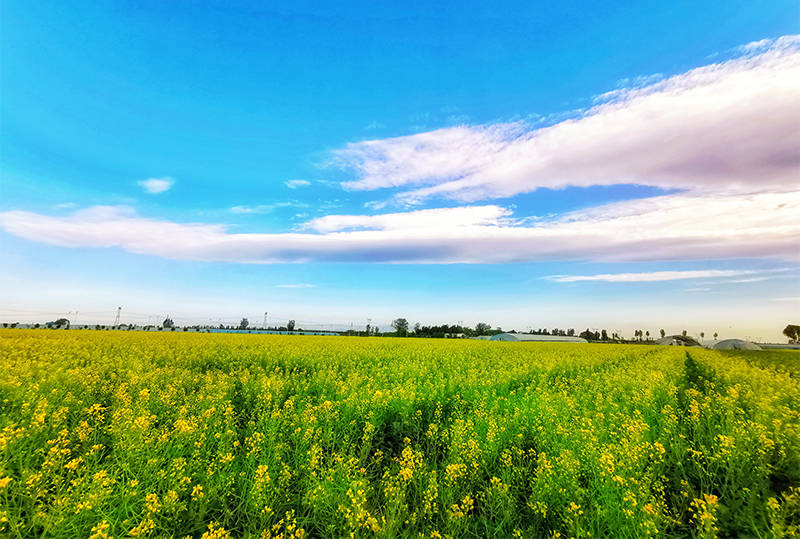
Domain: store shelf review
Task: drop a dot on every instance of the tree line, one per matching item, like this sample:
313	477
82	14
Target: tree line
402	328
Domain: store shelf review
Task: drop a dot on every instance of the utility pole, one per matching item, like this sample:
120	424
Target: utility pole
116	320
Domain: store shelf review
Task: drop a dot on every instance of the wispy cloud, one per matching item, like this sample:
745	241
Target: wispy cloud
787	298
748	280
672	227
155	186
650	276
267	208
627	84
294	184
721	128
296	285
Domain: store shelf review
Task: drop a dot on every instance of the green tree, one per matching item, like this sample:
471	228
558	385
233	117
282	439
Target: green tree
168	323
61	322
400	326
244	323
482	328
290	325
792	333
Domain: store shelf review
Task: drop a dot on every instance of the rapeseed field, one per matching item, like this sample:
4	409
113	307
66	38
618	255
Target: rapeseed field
118	434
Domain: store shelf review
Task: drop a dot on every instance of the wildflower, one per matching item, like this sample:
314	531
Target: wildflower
215	531
100	531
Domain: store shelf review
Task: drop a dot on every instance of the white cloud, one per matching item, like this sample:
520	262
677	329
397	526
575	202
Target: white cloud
155	186
726	127
650	276
420	219
294	184
756	47
671	227
297	285
725	135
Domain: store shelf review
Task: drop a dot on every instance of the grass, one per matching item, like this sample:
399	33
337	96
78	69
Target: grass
115	434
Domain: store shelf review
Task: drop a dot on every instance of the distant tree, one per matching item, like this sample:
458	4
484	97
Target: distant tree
481	328
663	333
369	328
400	326
702	335
648	334
168	323
417	328
376	331
570	332
716	335
290	325
590	335
61	322
604	335
244	323
683	333
792	333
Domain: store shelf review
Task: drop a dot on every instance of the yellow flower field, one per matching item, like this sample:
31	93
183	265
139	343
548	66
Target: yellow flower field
117	434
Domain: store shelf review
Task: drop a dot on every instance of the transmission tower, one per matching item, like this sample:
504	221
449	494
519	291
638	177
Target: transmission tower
116	320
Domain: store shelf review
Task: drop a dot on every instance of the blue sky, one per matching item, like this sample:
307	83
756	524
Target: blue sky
362	160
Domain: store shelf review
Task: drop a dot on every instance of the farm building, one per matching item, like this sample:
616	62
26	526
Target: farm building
678	340
520	337
736	344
